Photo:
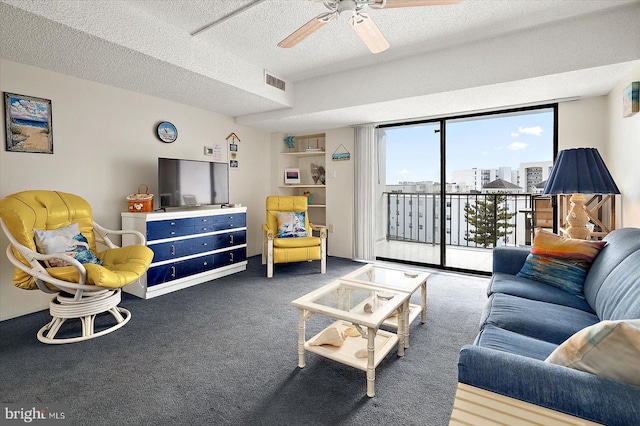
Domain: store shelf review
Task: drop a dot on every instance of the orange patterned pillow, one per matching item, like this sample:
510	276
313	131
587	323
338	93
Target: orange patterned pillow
560	262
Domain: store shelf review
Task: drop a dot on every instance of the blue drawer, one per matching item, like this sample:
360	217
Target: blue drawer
170	250
165	273
229	221
230	257
170	223
200	228
202	244
230	239
203	220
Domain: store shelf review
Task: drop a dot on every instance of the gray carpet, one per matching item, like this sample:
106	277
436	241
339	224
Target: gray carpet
224	353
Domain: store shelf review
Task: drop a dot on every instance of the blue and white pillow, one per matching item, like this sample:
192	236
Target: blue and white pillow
291	224
67	240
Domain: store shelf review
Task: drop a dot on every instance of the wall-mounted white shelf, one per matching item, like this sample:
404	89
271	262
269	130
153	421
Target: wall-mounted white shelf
303	186
304	153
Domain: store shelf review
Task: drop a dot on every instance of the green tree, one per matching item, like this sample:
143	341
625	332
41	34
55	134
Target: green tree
489	219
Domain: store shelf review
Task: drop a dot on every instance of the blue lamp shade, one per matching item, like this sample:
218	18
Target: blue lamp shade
580	171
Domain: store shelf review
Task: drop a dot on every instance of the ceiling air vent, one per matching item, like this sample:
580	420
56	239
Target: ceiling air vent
274	81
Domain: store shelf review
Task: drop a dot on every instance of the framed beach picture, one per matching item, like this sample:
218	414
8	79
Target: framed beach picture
28	124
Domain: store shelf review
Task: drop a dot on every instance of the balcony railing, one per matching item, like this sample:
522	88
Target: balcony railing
471	220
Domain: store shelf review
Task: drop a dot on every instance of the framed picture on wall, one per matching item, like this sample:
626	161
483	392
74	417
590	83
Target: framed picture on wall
28	124
631	99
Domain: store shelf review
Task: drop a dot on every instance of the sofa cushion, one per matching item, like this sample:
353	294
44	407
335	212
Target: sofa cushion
609	349
612	286
540	320
535	290
560	262
508	341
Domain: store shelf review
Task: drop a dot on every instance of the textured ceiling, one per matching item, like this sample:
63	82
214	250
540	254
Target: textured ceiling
478	54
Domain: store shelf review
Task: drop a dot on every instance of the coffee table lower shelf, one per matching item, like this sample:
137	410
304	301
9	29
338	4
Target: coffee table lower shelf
385	342
414	311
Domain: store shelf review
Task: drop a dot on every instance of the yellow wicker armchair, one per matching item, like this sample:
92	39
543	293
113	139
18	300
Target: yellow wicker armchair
82	290
279	249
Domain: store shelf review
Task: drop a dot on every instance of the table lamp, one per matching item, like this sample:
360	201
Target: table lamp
579	171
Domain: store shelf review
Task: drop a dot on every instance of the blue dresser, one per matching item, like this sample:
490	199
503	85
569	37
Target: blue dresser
190	247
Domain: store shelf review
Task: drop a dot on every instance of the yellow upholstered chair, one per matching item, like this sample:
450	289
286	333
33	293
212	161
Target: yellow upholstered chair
287	243
38	224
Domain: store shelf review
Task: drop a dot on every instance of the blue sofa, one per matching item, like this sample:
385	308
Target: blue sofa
525	320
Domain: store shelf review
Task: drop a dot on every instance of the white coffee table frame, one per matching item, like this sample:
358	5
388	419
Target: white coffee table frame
396	279
378	342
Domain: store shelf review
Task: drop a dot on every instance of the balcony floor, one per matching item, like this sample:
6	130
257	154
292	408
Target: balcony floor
470	258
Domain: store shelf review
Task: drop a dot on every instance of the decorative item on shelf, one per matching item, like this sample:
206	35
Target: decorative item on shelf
167	132
631	99
321	173
309	196
581	171
140	202
316	149
290	142
291	176
315	173
339	155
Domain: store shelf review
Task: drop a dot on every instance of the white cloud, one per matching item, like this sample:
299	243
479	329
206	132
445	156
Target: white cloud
517	146
404	172
536	130
515	134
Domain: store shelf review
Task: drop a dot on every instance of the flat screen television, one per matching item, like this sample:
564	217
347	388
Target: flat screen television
192	183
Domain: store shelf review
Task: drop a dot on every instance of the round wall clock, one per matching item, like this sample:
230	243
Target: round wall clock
167	132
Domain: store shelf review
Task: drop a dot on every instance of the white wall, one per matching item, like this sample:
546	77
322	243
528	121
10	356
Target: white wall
105	146
583	124
340	193
598	123
624	152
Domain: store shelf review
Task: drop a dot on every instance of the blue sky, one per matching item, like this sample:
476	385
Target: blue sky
413	152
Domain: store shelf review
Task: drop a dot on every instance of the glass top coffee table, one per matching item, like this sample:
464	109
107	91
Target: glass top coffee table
397	279
359	310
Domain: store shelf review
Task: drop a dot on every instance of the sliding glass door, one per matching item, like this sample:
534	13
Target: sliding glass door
410	168
452	189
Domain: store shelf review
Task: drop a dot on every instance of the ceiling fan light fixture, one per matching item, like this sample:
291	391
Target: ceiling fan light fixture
347	8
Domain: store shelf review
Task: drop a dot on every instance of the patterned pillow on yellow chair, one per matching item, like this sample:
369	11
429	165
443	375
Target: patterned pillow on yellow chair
291	224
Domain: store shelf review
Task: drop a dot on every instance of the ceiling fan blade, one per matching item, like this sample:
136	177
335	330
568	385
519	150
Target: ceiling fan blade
369	33
307	29
389	4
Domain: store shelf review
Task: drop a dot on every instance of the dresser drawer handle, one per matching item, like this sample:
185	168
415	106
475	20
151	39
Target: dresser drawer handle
231	257
173	271
205	263
230	239
205	244
173	250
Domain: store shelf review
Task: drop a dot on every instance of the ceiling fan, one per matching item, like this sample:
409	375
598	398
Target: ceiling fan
359	20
